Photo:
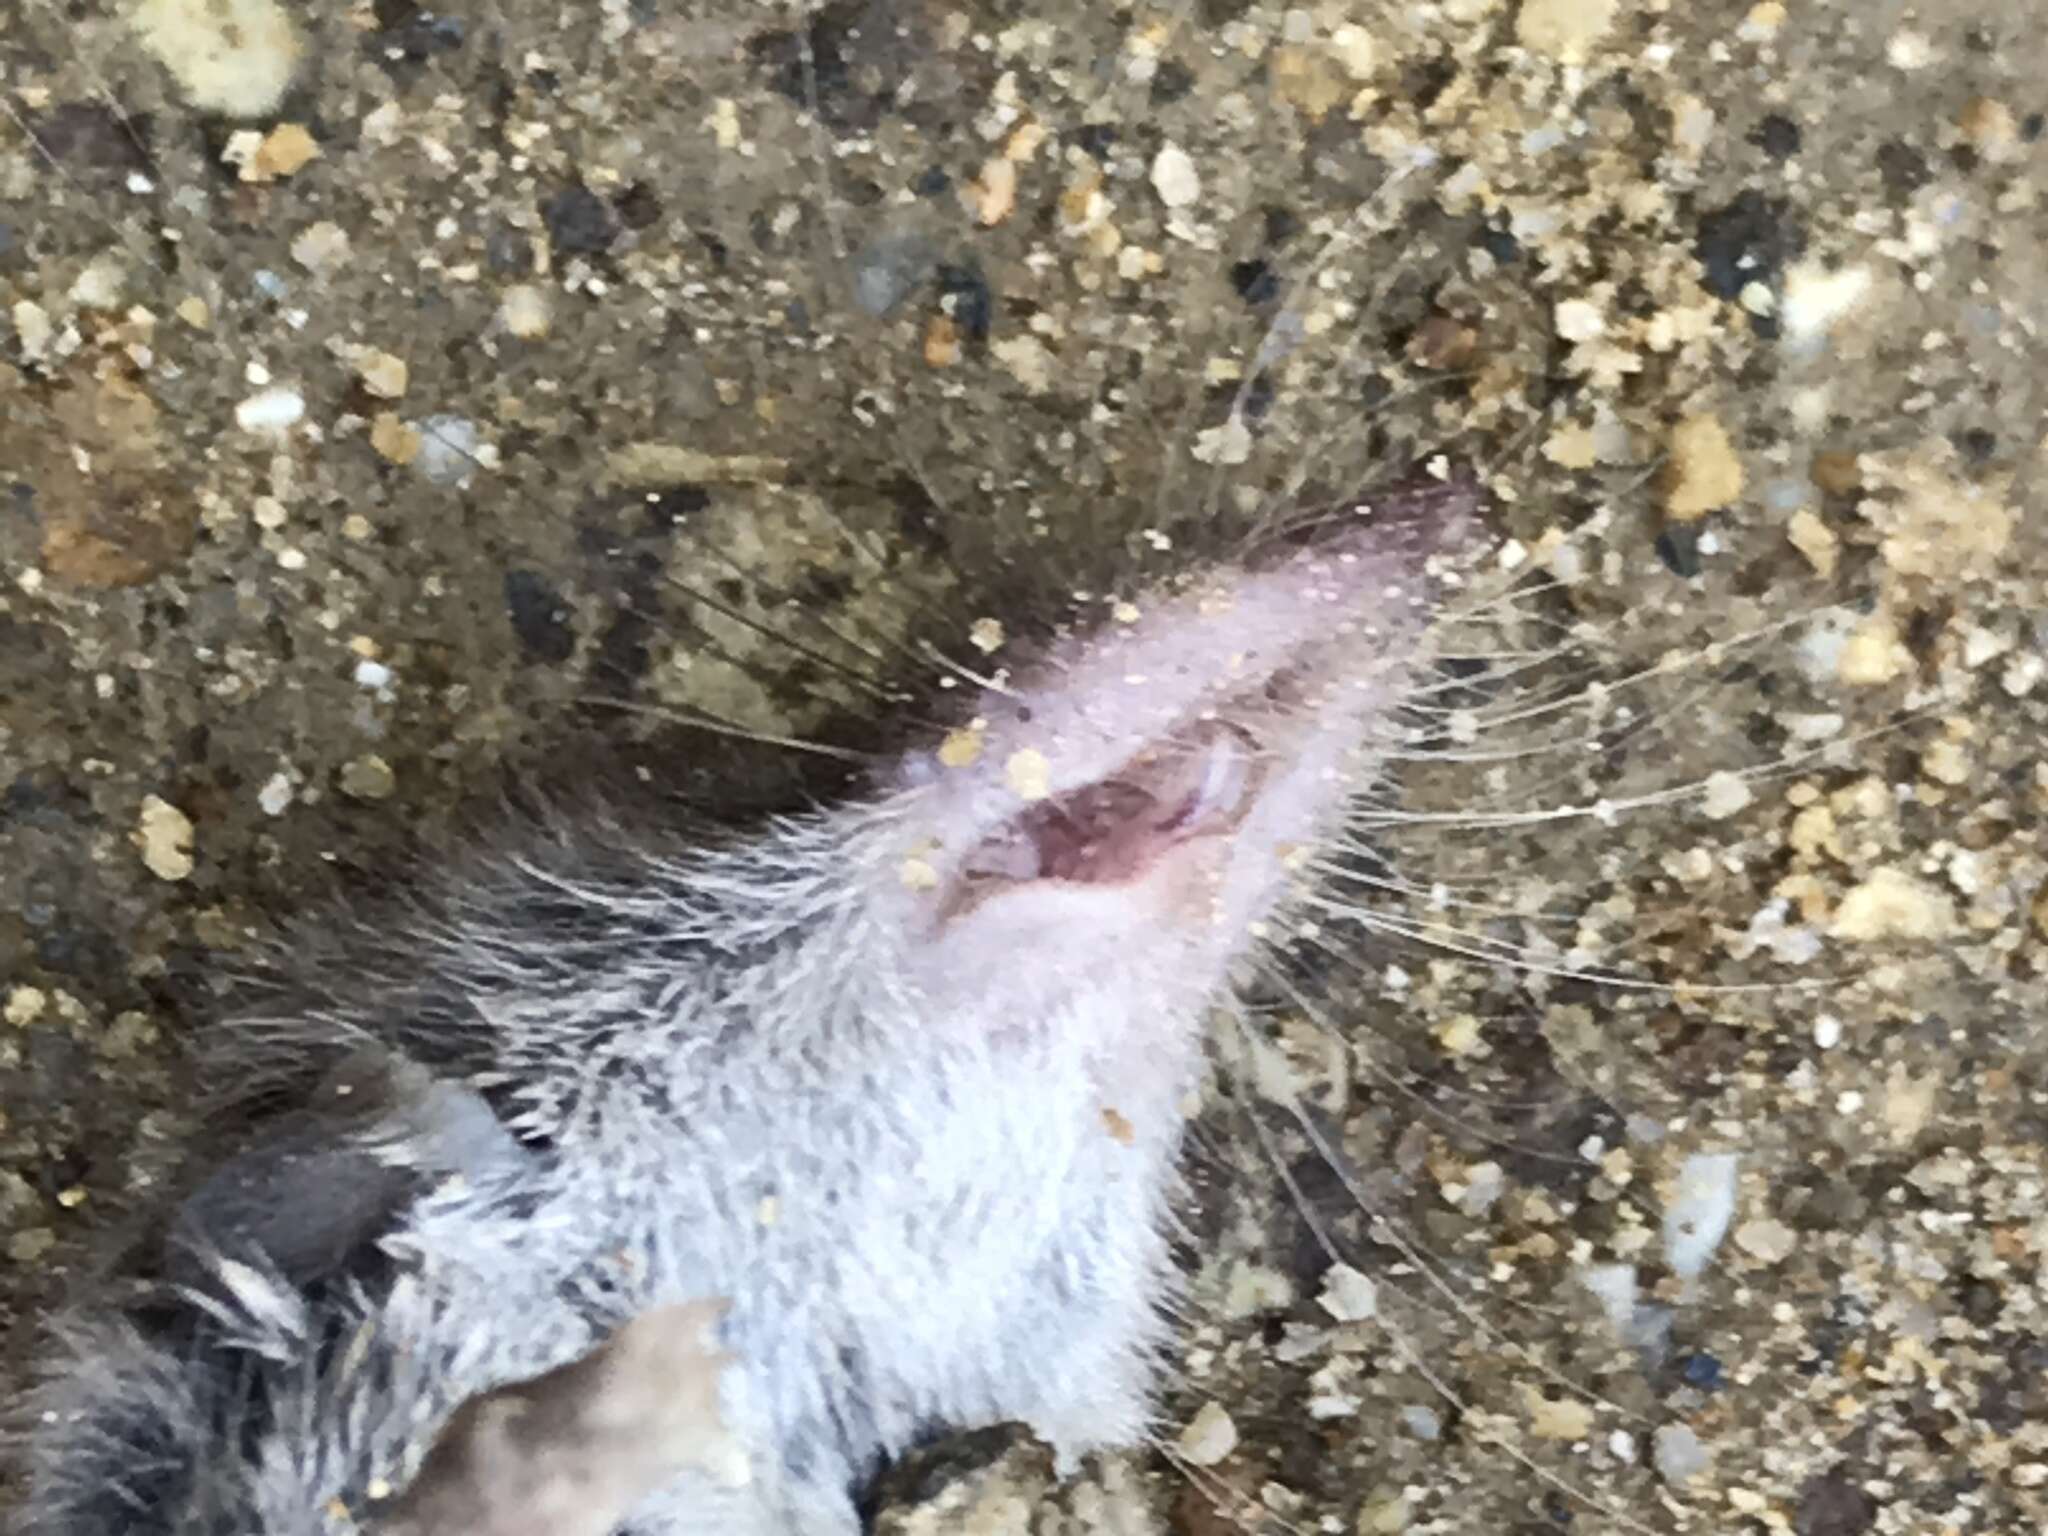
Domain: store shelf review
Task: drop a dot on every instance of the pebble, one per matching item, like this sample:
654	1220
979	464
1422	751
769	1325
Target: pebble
271	410
1892	904
164	835
394	440
32	329
1704	473
450	449
1766	1239
1347	1295
1700	1210
525	311
1678	1453
1174	177
368	778
275	797
1565	30
1209	1437
321	248
383	375
233	57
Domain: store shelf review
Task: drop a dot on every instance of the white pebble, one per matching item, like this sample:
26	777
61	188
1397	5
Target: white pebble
1700	1211
275	797
1210	1436
372	674
1174	177
450	449
1347	1295
271	410
1679	1454
1726	793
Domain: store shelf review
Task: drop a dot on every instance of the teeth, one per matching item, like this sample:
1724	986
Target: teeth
1226	775
1219	768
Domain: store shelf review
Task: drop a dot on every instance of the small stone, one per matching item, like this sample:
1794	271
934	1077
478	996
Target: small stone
452	449
1936	524
941	342
1873	654
101	285
526	312
164	835
1988	124
322	248
394	441
992	196
1228	443
1678	1453
368	778
285	150
1946	762
1578	320
194	312
1892	904
1347	1295
1815	540
271	411
233	57
1558	1418
1565	30
1028	361
1704	473
1209	1437
25	1005
986	635
1353	48
275	797
1174	177
383	375
1701	1206
1725	794
1816	299
1766	1239
32	329
724	122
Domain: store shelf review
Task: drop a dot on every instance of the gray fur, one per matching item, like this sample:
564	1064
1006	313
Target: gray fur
902	1102
674	1100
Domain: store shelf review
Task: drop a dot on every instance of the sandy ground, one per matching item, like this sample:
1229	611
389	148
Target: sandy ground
490	386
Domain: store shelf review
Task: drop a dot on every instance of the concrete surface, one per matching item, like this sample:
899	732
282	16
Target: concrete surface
601	361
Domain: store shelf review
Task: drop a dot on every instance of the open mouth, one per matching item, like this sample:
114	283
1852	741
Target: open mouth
1201	782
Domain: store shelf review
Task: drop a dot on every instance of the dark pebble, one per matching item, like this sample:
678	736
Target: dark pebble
1702	1371
1256	282
1777	136
973	304
1679	548
1904	168
1172	81
579	222
1748	240
1500	244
